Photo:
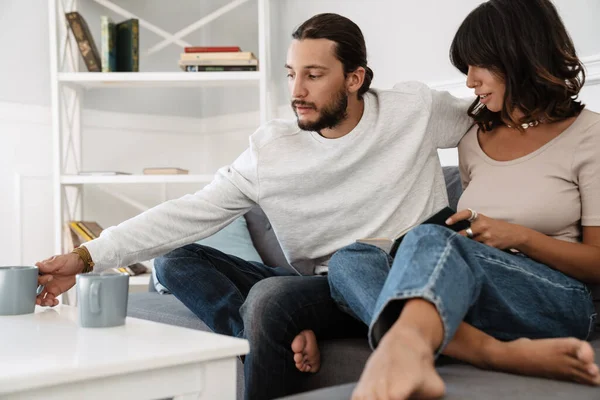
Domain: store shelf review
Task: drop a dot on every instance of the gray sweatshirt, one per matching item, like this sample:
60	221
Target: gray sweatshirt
319	194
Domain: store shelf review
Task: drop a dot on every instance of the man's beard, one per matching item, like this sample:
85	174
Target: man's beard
329	117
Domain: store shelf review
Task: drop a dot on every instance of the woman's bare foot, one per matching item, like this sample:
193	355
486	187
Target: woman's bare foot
306	352
402	367
564	359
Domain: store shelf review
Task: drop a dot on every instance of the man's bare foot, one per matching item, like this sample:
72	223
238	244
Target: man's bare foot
402	367
564	359
306	352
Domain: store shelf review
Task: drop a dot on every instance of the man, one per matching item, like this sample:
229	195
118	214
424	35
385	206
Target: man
356	163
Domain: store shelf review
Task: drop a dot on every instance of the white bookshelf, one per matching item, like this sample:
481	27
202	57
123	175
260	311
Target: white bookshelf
70	80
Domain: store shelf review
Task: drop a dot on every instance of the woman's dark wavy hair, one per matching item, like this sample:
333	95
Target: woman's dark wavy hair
525	43
350	47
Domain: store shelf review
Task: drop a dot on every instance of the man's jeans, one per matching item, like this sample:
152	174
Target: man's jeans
267	306
505	295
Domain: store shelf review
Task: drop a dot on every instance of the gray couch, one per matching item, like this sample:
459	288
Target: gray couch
343	359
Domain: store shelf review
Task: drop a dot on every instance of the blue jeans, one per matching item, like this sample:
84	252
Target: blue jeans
267	306
505	295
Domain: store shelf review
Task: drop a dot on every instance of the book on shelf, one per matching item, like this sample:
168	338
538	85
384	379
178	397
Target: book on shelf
128	45
207	61
71	238
85	41
211	49
80	232
102	173
217	68
108	44
85	230
165	171
220	63
233	55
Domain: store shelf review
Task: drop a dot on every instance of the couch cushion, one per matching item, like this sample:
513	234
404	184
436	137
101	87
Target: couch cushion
234	239
342	361
165	309
464	382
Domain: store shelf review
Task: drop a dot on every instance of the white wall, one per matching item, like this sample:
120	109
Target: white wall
405	39
26	192
24	72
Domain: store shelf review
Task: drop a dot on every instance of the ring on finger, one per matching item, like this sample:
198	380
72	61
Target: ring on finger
473	216
469	233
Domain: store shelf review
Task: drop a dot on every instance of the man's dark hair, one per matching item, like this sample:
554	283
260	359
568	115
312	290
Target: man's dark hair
350	47
525	43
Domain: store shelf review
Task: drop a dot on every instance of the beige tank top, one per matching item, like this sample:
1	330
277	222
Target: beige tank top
554	190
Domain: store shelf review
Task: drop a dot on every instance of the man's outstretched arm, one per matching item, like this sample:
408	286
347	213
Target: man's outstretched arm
163	228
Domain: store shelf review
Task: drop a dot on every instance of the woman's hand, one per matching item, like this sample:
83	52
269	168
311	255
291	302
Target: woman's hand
499	234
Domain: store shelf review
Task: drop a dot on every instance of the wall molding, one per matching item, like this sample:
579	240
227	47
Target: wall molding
458	88
592	66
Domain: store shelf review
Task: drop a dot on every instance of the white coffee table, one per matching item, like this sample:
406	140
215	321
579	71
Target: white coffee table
46	355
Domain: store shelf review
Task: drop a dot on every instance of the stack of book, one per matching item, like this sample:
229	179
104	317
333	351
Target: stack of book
206	59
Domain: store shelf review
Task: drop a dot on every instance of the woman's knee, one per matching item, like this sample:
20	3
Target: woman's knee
428	236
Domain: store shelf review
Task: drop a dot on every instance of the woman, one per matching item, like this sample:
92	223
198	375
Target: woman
531	175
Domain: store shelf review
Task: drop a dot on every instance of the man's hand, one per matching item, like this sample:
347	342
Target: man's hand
57	276
495	233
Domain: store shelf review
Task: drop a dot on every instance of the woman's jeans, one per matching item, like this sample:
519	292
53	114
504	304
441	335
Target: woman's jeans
506	295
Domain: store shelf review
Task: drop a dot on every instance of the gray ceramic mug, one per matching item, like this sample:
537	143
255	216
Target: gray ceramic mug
102	299
18	289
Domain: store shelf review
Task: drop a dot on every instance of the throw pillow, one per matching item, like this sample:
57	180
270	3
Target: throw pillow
234	239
